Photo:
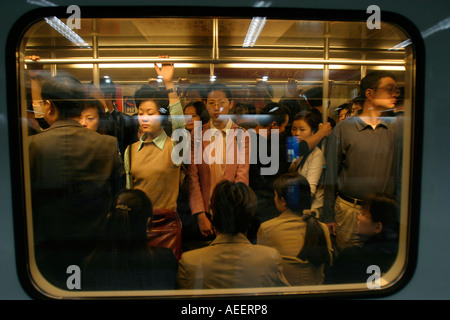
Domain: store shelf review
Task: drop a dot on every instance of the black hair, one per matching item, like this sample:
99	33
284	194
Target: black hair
200	109
66	93
294	189
220	87
130	213
233	206
345	106
244	108
383	207
105	126
313	122
123	247
315	96
200	88
271	112
149	93
108	87
371	81
311	119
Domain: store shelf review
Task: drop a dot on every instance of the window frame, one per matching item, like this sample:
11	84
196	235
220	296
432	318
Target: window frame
18	183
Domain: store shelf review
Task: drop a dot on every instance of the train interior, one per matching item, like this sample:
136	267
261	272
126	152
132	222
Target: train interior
244	53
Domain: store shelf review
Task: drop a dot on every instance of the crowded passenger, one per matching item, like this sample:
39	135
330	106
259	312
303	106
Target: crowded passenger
262	94
311	165
303	241
315	100
125	126
343	111
231	261
245	115
377	224
226	205
294	99
269	147
123	260
74	174
93	117
194	92
193	111
149	164
221	152
361	158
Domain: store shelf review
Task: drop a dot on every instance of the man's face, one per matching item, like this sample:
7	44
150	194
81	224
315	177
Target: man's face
385	95
218	105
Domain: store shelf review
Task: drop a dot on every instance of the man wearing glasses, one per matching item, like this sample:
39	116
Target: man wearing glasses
361	156
218	142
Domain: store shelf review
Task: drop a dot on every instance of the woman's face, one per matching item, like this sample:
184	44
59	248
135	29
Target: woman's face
150	119
190	115
301	129
90	118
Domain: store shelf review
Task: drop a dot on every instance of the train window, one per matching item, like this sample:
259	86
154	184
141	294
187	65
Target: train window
121	141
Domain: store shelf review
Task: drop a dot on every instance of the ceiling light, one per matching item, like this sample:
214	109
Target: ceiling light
254	30
63	29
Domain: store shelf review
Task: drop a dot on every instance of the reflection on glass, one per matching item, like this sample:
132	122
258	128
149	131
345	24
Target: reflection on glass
327	173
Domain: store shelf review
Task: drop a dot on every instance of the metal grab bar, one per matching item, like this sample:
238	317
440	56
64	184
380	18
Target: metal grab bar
221	61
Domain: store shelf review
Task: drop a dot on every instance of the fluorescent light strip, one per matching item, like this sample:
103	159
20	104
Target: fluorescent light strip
254	30
63	29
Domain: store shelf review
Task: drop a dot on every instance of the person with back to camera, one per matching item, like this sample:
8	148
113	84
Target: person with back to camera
274	116
74	174
231	261
125	127
123	260
301	239
378	225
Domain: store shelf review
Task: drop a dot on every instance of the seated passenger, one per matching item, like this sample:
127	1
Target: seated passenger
231	261
122	260
302	240
377	223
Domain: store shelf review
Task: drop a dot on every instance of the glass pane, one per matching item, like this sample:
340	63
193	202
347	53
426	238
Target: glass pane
72	173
